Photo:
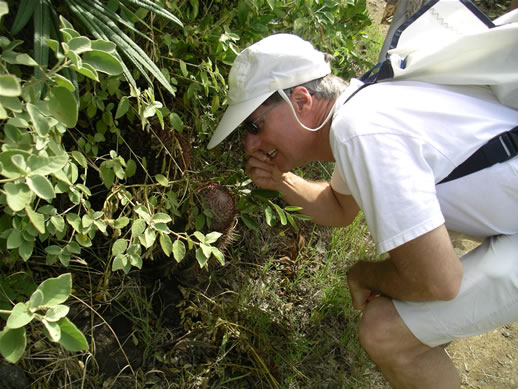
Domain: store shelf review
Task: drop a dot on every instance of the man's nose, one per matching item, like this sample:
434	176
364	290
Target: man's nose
252	143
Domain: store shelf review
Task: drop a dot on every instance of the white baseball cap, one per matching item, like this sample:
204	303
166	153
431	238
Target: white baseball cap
274	63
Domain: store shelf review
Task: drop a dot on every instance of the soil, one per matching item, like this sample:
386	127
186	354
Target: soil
486	361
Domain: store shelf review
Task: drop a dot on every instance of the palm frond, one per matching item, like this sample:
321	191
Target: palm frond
151	6
102	24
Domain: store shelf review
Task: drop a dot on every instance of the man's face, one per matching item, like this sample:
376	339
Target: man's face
278	136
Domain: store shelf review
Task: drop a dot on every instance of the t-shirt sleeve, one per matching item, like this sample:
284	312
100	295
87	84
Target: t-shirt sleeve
389	177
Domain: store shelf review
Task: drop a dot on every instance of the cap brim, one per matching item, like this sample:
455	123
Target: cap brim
234	116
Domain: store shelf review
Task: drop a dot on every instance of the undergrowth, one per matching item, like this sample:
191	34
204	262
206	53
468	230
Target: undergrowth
116	190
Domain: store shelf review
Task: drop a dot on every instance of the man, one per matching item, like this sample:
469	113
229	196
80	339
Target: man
392	143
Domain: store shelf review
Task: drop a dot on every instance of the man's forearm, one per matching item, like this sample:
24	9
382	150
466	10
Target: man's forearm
384	278
317	200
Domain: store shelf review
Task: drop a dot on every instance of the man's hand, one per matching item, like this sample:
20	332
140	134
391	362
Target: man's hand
360	295
423	269
263	172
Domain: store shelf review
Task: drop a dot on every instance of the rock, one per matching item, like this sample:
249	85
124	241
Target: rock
13	377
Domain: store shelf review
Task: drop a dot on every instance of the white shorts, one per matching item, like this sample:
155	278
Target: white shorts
488	297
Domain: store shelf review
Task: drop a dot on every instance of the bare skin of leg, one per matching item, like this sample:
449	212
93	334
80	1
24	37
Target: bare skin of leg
402	358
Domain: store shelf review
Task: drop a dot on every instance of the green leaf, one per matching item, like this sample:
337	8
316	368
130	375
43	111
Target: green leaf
56	290
41	186
39	122
75	221
166	244
292	222
161	217
281	214
19	59
178	250
219	255
9	86
201	257
103	62
79	44
19	161
88	71
138	227
265	194
207	249
64	82
58	222
80	159
71	338
20	316
15	239
148	238
63	106
18	196
162	180
56	313
26	249
102	45
73	248
107	175
3	112
131	168
4	9
249	222
123	107
119	246
199	221
53	330
121	222
12	103
199	236
293	208
212	237
135	260
176	121
13	343
46	165
36	299
120	262
269	215
183	68
83	240
37	219
7	166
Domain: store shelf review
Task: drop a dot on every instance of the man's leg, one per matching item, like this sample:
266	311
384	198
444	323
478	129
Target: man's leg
402	358
488	299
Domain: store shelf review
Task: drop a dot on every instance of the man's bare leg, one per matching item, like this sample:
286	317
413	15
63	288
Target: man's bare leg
402	358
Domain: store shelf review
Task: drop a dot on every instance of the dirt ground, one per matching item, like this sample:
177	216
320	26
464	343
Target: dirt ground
488	361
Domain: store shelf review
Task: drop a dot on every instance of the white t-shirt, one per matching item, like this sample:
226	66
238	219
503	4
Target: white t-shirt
392	143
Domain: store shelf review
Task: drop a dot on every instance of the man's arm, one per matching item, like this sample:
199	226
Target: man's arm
318	199
424	269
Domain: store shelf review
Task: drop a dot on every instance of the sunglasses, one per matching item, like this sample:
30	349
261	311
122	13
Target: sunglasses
251	126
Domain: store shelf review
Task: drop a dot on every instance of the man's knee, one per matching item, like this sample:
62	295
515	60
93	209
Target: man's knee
383	334
375	325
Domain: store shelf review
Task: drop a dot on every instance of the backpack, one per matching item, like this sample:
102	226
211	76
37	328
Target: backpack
452	42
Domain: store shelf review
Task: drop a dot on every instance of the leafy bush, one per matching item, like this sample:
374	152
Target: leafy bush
100	169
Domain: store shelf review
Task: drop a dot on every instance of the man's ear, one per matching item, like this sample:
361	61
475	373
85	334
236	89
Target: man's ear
301	98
